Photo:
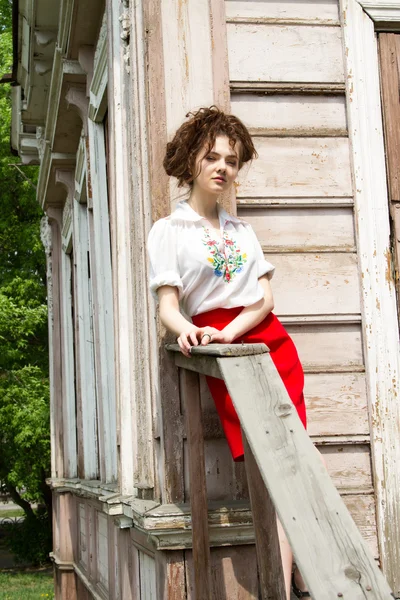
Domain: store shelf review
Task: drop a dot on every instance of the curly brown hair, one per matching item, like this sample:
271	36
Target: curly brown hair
200	130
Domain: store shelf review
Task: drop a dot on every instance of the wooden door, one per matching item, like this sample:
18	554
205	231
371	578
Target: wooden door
389	54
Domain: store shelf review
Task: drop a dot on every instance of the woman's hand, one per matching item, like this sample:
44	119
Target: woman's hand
217	337
189	338
195	336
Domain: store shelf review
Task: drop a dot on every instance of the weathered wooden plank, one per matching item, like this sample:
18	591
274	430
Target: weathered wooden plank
147	577
68	371
204	365
315	511
170	570
302	53
362	509
84	358
82	536
325	284
318	167
171	423
103	301
389	52
291	114
223	349
128	576
102	548
381	339
220	72
349	467
55	343
219	469
302	229
144	367
266	532
188	72
329	347
336	404
190	391
278	87
234	573
297	202
326	10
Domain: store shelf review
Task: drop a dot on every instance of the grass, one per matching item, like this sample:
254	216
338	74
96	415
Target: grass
26	585
18	512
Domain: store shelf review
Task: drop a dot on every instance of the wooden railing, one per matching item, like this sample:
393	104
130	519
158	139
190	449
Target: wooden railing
285	476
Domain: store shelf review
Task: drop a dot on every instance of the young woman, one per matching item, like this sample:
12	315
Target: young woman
208	271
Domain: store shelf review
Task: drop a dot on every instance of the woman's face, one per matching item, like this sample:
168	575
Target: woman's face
218	168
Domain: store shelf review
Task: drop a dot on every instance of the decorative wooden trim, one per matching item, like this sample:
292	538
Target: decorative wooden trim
143	334
84	349
65	21
76	97
382	12
103	301
381	338
119	181
80	173
53	253
282	21
98	88
65	177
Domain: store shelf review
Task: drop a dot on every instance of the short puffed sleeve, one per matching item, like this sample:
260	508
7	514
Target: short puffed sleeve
161	247
263	266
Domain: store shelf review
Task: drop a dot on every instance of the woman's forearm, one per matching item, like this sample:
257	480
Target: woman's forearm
251	315
174	321
170	314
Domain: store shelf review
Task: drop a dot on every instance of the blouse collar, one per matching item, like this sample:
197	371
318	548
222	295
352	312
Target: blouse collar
184	212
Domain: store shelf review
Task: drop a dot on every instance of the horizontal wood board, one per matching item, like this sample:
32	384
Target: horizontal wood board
336	406
326	10
313	284
297	167
349	468
294	229
301	115
331	347
295	53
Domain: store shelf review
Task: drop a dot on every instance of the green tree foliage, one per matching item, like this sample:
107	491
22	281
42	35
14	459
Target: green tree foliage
5	15
24	389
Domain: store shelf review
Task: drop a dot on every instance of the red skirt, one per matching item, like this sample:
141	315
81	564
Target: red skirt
284	356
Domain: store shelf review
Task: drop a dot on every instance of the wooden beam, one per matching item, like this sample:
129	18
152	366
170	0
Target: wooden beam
328	547
223	349
198	490
269	560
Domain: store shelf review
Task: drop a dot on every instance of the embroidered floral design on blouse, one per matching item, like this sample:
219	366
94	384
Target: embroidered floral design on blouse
226	262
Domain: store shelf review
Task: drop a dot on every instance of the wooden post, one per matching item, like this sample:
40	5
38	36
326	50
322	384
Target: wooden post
198	490
269	560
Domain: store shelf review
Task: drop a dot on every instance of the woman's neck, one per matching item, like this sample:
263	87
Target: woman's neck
205	206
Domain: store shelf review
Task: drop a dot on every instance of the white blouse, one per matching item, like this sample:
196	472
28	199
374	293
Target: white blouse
209	271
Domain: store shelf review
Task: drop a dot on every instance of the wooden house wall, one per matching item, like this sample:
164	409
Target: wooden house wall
286	70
